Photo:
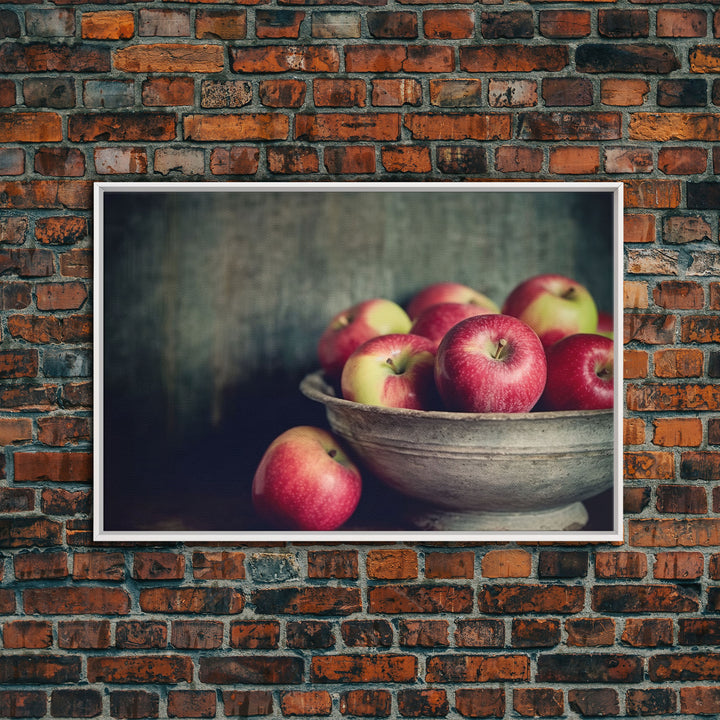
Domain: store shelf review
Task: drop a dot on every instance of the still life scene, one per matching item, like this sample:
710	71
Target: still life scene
351	362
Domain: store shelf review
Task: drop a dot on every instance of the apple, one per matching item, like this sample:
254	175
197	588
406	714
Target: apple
392	371
434	321
579	373
606	325
490	363
447	292
554	306
352	327
305	481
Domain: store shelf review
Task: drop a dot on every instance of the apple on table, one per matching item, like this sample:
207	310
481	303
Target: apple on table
351	327
580	371
435	321
554	306
442	292
394	370
490	363
306	481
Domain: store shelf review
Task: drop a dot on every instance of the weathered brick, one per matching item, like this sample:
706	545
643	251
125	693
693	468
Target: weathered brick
683	229
165	91
681	23
448	24
283	58
221	24
191	703
108	93
512	93
27	634
134	704
396	92
247	702
623	23
63	466
445	565
406	159
234	161
306	634
350	160
30	127
169	57
479	633
506	563
398	24
347	126
291	159
589	668
225	93
480	702
40	565
682	93
329	92
53	57
236	669
254	635
532	632
628	160
163	22
538	702
208	600
23	703
335	24
630	58
39	669
167	669
572	92
530	598
314	600
457	668
513	24
670	432
594	702
678	363
513	57
282	93
651	701
218	565
158	566
510	159
423	633
229	128
664	126
684	666
12	161
590	632
419	599
574	161
700	700
13	231
196	634
430	702
108	25
120	160
572	125
135	634
120	127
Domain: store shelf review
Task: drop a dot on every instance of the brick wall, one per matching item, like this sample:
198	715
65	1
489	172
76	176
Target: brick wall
366	89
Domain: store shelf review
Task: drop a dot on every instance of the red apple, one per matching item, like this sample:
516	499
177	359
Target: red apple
606	325
305	481
442	292
554	306
490	363
352	327
392	371
579	374
434	321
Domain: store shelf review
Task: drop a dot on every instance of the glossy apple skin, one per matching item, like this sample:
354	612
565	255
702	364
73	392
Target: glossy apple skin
392	371
442	292
580	374
355	325
305	481
475	373
606	325
554	306
434	321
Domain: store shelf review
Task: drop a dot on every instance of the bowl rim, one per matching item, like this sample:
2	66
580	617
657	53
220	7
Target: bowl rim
315	387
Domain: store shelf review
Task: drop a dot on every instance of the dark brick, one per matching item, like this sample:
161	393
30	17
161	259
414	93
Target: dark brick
232	670
76	703
39	669
517	24
703	195
594	702
569	564
608	58
134	704
682	93
462	159
624	23
9	24
392	24
589	668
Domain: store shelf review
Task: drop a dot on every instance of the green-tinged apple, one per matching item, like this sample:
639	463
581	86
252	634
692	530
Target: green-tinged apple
490	363
434	321
394	370
606	325
579	374
305	481
352	327
554	306
442	292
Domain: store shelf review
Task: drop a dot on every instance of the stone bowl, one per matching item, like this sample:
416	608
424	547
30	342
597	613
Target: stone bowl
479	471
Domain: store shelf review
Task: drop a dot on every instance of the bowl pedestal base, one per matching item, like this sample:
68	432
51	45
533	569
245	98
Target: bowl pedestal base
568	517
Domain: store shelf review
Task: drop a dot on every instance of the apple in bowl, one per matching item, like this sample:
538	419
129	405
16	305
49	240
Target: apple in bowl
442	292
554	306
490	364
580	374
306	481
353	326
395	370
435	321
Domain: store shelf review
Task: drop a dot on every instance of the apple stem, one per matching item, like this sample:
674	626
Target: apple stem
605	372
500	350
332	452
569	294
394	367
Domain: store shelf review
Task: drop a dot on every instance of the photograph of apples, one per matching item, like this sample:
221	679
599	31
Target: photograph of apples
357	361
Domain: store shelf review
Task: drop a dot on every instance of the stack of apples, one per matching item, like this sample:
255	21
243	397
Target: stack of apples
451	348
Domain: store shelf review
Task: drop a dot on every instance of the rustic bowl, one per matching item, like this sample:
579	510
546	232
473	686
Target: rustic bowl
479	471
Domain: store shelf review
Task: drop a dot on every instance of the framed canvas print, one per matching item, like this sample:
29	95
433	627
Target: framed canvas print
358	361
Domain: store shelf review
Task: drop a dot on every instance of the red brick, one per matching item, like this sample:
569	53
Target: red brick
229	128
53	467
13	230
18	363
247	702
191	703
678	565
633	431
350	160
234	161
684	666
648	632
423	633
61	230
392	25
309	634
702	700
533	598
419	599
158	566
477	668
392	564
649	465
31	127
679	295
472	126
40	565
166	669
381	668
480	702
240	669
46	194
306	702
700	465
446	565
644	599
652	701
282	93
506	563
665	126
58	501
406	159
7	93
574	161
570	125
512	93
651	328
685	532
671	432
108	25
682	160
366	703
218	565
23	703
620	564
573	92
333	92
284	58
678	363
61	296
165	91
16	500
538	702
480	633
169	57
27	634
564	23
208	600
347	126
396	92
12	161
589	668
196	634
513	57
120	160
76	601
590	632
448	24
532	633
135	634
510	159
430	702
121	127
99	566
397	58
623	92
628	160
255	635
292	159
19	668
681	23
